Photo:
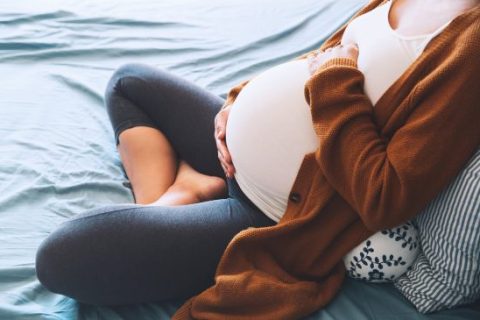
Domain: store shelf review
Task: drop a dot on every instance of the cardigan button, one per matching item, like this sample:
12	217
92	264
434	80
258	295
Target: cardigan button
294	197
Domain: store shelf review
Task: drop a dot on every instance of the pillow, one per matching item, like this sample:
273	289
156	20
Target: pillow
446	273
384	256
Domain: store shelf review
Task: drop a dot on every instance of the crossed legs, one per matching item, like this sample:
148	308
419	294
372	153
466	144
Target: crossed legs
133	253
159	117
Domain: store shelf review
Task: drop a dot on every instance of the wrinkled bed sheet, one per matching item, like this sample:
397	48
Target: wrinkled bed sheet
57	154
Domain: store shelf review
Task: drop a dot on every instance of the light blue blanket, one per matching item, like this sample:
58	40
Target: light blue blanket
57	154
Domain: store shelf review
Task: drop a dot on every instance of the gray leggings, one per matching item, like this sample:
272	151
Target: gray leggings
127	253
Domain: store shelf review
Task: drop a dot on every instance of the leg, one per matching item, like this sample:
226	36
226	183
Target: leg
190	186
158	118
149	162
128	254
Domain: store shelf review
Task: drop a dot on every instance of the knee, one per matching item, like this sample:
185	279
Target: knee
61	268
127	69
67	262
61	258
48	264
122	72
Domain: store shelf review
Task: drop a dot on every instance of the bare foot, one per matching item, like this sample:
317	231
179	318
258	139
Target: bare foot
191	186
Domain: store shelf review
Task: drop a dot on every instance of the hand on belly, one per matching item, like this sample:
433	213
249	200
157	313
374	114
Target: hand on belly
269	128
220	140
318	58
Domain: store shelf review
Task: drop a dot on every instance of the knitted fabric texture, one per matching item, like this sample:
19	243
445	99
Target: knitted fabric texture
375	168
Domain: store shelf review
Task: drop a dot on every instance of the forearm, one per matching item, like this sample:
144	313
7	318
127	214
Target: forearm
389	178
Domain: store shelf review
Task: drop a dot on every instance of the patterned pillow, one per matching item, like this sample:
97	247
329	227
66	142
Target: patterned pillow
446	274
384	256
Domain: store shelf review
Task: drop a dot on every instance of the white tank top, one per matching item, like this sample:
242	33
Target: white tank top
270	129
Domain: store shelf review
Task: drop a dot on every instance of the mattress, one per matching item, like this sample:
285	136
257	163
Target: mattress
57	154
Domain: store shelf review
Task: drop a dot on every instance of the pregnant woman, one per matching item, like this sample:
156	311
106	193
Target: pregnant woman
286	156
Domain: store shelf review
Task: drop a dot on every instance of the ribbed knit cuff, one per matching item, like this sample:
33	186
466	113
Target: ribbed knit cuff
332	76
338	62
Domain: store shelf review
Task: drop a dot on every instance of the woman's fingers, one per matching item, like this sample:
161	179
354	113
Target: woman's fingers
352	50
220	132
220	123
227	168
223	153
318	58
312	63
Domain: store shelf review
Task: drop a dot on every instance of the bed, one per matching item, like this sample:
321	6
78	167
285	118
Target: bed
57	154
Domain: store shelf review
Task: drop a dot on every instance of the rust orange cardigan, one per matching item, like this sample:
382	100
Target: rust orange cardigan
374	168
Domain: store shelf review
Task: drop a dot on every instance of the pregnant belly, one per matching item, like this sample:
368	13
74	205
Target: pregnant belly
269	129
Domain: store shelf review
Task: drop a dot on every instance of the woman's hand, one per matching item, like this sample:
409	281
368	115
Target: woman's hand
318	58
223	154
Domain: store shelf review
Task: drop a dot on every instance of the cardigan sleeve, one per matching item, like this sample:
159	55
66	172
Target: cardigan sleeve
388	180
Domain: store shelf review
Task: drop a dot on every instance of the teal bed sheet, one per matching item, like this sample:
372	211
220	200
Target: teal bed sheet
57	154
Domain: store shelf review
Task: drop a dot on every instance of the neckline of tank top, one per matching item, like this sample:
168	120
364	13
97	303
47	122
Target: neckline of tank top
413	37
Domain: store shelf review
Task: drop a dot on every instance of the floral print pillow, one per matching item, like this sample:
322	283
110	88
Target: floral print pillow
384	256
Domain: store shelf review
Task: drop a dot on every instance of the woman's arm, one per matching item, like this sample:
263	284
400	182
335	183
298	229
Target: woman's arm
389	181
